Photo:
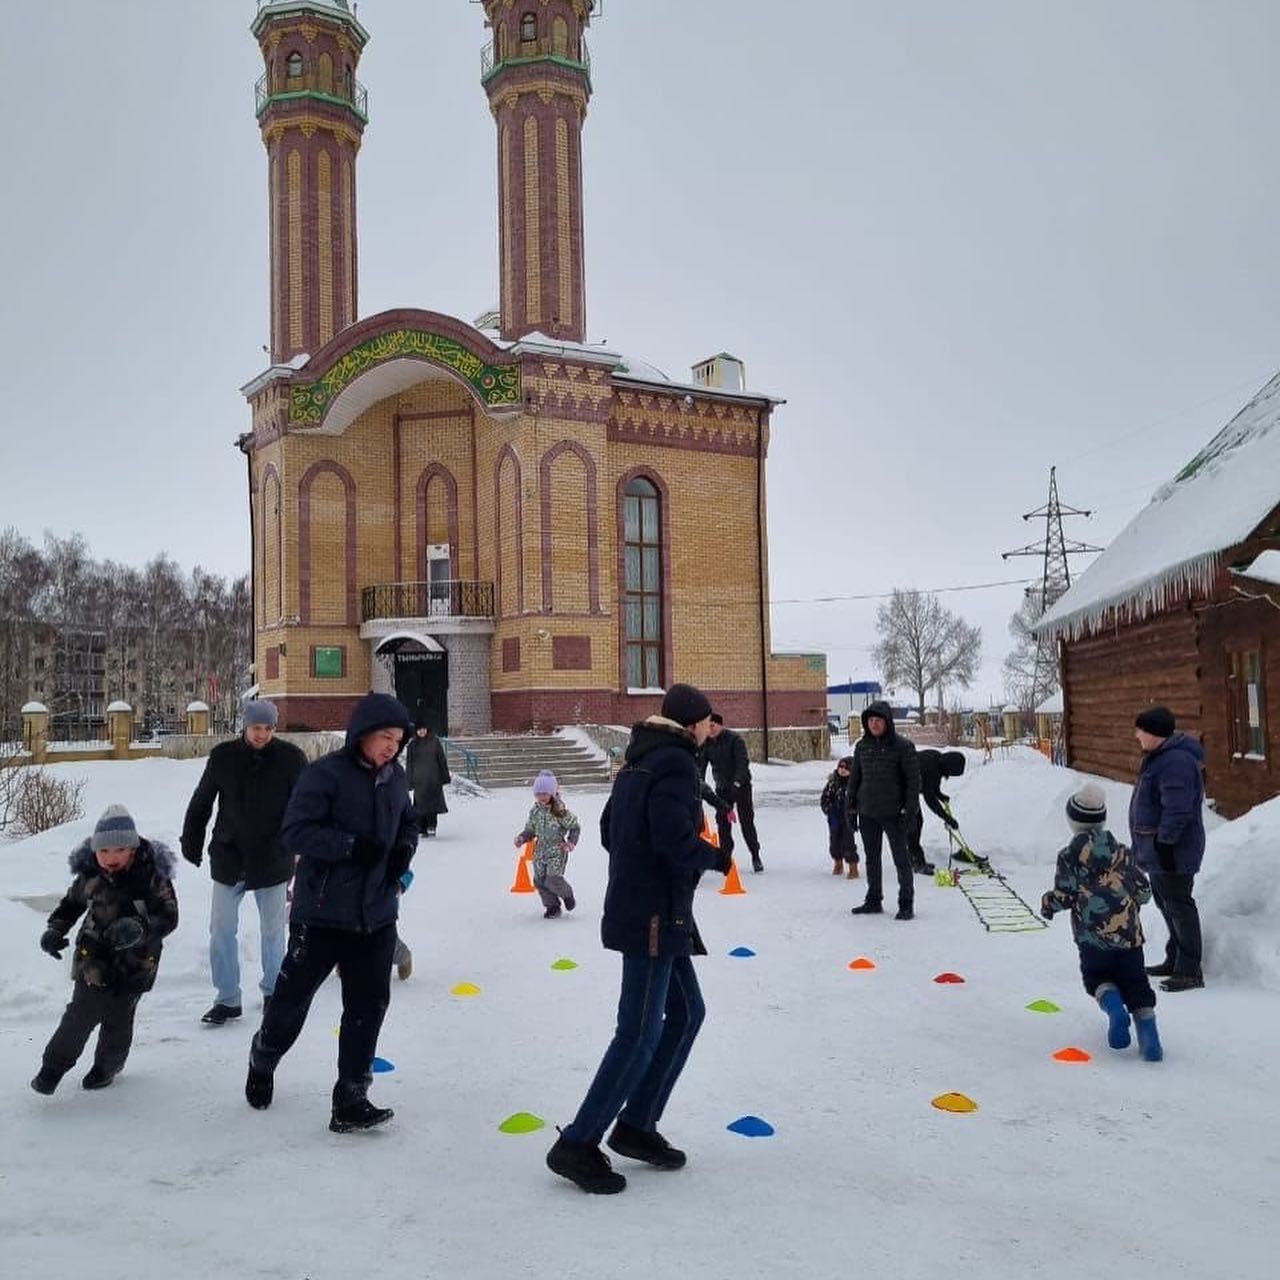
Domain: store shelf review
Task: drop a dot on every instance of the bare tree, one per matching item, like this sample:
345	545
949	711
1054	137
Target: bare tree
1027	682
23	576
924	646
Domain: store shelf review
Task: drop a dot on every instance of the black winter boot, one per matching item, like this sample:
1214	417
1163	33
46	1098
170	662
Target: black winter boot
868	908
259	1087
352	1109
97	1078
586	1166
46	1081
644	1144
756	864
221	1013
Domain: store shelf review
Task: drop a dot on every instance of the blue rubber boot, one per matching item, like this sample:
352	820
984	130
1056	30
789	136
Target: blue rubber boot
1148	1037
1118	1016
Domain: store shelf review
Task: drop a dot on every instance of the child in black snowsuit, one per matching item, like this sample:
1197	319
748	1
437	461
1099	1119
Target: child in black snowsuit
123	889
1099	882
841	826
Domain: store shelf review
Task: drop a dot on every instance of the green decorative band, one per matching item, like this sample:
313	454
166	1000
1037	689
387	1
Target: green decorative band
568	64
496	385
315	95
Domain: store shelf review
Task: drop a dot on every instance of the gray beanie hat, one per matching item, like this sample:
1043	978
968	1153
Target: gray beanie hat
1087	808
115	830
260	711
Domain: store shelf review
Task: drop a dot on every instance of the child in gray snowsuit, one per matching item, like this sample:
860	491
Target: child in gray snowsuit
1100	884
554	831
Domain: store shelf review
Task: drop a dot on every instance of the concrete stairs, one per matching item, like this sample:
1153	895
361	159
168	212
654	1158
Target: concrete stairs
514	760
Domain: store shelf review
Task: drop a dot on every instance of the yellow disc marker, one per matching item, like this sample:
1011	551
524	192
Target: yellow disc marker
956	1102
465	989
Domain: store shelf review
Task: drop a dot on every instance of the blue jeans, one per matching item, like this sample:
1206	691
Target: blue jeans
659	1013
224	949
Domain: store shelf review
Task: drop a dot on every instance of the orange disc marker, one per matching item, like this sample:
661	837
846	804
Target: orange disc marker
862	963
1072	1054
948	977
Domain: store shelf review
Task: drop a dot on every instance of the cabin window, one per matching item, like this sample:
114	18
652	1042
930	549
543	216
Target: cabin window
1246	715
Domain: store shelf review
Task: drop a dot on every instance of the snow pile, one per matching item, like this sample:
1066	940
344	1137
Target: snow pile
1239	896
1176	542
1265	568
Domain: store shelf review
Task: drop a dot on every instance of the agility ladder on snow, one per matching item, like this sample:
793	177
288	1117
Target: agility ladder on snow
994	900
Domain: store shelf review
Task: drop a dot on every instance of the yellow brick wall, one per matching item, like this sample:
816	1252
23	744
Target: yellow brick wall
569	580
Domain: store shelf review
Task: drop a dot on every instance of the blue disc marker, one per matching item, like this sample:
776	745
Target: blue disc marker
742	951
381	1064
751	1127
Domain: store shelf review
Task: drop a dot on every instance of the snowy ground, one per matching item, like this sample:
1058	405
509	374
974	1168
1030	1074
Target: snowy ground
1114	1167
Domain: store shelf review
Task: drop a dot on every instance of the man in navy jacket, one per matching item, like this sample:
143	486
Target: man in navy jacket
650	826
350	824
1166	830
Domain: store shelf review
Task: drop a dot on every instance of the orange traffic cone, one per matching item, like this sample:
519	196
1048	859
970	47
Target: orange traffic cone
527	852
732	882
522	883
709	832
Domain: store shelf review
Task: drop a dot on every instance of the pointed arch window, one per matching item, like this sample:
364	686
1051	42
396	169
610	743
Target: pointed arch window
293	66
529	27
642	584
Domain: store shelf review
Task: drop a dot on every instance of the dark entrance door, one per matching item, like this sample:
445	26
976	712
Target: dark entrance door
422	684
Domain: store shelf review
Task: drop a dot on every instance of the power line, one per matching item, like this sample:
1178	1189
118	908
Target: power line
884	595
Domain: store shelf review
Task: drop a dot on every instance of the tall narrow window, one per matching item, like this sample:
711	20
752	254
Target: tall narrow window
642	584
1246	708
529	27
293	66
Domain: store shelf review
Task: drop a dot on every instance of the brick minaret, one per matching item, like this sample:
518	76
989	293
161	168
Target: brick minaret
538	77
312	111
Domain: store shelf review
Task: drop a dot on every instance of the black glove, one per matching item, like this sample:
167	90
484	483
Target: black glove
366	851
195	857
951	822
398	863
53	943
124	933
724	860
1047	907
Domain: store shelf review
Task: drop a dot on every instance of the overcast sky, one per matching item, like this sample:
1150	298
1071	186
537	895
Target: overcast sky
965	241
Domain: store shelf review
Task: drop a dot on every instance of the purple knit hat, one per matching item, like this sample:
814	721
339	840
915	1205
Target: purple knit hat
545	784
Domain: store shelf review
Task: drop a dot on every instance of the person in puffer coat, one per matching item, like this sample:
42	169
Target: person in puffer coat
1102	886
554	832
350	824
650	827
1166	826
124	890
841	843
883	795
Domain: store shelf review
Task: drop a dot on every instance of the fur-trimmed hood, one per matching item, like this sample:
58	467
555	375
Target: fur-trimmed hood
161	857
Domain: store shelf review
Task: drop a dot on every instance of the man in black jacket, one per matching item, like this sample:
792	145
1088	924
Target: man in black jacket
650	826
934	766
884	793
350	824
726	753
251	779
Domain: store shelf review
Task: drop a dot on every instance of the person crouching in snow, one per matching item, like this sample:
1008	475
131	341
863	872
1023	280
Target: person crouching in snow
1099	882
124	890
554	831
841	825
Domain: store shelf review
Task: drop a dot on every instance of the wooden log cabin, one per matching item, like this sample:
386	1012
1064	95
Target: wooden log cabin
1183	610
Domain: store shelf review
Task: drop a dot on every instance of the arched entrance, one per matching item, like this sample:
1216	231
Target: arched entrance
421	675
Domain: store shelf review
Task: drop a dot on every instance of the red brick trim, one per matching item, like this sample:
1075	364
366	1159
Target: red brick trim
304	539
593	531
270	471
511	654
664	516
271	661
437	470
571	653
316	711
508	452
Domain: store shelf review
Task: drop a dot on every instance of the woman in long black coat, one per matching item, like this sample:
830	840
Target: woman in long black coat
428	776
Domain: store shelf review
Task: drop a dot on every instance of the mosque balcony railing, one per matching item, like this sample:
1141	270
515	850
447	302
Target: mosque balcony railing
310	84
449	598
543	50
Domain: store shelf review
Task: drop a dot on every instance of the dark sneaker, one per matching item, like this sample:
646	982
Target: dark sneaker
45	1081
221	1013
96	1078
550	913
586	1166
756	865
350	1117
570	902
905	913
868	908
644	1144
1162	970
259	1088
1182	982
923	868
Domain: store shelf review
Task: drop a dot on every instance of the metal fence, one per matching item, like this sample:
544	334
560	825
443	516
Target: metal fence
454	598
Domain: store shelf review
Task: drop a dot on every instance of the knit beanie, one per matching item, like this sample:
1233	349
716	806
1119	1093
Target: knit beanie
1087	808
260	712
1157	721
115	830
685	705
545	784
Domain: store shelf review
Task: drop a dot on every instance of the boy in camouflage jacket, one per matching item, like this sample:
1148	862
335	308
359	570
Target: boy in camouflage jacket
123	889
1099	882
554	832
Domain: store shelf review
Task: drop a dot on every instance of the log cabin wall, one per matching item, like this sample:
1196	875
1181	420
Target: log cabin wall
1108	678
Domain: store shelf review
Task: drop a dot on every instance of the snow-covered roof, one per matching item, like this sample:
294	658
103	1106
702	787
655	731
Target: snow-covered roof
197	706
118	705
34	709
1051	706
1264	568
1176	542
